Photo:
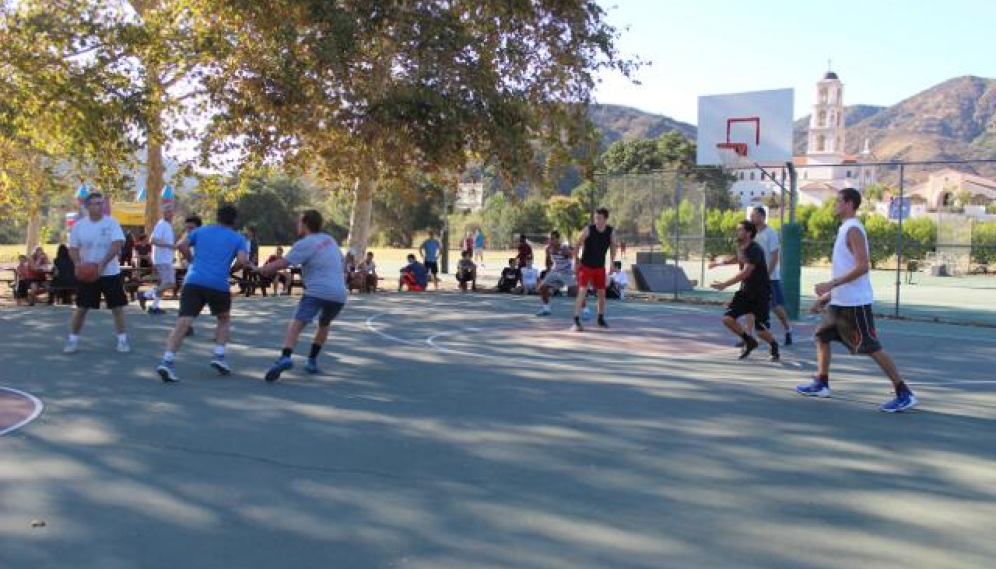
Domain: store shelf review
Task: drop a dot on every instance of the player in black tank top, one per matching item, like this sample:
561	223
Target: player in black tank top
595	241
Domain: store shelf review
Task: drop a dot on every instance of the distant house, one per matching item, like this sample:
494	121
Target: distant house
825	169
944	187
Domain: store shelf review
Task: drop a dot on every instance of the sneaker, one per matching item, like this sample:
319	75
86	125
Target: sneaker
282	364
577	326
312	366
71	347
749	345
167	372
586	314
543	312
816	388
739	344
788	338
775	355
156	311
220	365
123	346
601	322
901	403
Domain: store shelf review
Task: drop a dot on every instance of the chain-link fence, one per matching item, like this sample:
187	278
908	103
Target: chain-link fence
931	228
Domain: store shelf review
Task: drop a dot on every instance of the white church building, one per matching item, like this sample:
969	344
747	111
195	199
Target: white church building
824	169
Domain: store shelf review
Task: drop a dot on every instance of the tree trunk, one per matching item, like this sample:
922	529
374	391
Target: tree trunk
362	215
34	229
155	171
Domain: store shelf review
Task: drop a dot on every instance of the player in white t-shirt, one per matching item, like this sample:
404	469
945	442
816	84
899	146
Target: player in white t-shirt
97	239
530	278
619	282
767	238
163	246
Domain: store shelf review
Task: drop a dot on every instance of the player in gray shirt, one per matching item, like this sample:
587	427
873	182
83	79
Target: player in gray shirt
325	290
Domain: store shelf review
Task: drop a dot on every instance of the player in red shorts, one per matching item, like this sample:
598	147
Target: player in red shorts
594	242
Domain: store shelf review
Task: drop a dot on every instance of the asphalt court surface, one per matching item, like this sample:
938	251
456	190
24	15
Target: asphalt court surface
451	430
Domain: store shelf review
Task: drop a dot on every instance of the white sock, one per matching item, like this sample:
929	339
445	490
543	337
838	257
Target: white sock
169	356
546	307
122	337
73	338
219	350
155	300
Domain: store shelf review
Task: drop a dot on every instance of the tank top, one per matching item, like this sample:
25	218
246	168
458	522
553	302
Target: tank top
859	291
595	246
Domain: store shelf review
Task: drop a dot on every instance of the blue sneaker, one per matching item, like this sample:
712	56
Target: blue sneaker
220	365
815	389
282	364
312	366
167	372
901	403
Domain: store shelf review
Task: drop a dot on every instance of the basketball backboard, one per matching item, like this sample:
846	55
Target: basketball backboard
753	127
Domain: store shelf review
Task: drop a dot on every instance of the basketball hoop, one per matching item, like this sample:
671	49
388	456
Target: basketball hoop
732	154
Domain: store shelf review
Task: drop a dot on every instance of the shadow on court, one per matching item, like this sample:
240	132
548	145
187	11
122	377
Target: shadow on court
460	431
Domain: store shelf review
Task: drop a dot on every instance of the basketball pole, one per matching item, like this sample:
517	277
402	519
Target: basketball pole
791	258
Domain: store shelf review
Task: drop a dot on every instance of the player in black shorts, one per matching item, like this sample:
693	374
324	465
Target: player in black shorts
754	295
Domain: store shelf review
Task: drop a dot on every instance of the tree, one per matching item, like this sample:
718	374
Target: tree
566	214
677	229
882	236
919	237
361	92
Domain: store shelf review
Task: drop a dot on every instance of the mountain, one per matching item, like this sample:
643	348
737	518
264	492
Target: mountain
955	120
626	123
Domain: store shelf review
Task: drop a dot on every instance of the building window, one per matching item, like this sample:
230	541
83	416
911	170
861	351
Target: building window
848	175
752	177
741	175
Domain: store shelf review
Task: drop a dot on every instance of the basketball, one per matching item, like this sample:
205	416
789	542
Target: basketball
87	272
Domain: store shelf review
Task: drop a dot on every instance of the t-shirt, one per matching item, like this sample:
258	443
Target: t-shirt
757	285
620	279
321	266
768	240
217	246
479	241
431	247
525	253
562	258
465	266
510	274
163	231
419	272
94	240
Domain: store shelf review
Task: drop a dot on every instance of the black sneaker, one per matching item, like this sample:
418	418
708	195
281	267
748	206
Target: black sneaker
601	322
577	325
749	345
739	344
775	355
788	338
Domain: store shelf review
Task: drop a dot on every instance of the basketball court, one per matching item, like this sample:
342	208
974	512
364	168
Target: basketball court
461	431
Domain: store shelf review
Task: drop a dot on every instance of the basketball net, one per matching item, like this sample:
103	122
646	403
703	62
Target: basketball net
733	155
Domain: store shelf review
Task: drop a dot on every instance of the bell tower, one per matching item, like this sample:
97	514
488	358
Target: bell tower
826	126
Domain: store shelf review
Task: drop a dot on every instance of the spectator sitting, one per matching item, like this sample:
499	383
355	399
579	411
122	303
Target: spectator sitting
39	267
21	280
143	251
414	275
530	278
369	271
281	277
618	283
63	277
354	280
466	272
509	278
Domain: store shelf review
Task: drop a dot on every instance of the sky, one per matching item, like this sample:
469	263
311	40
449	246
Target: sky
884	51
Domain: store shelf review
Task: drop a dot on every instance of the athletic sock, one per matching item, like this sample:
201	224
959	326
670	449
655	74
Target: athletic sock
315	348
73	338
824	378
168	357
122	337
219	350
155	300
745	336
286	352
902	388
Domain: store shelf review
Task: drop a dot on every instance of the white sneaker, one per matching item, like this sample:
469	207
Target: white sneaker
71	347
123	346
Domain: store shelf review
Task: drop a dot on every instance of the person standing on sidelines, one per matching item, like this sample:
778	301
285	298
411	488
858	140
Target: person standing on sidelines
848	319
325	292
163	246
430	256
206	283
754	297
97	239
594	242
479	247
767	238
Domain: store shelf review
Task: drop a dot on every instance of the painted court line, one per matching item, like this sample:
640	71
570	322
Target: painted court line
38	407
